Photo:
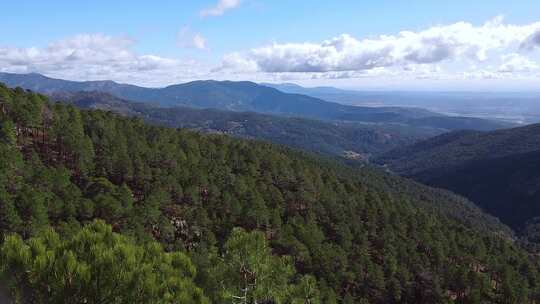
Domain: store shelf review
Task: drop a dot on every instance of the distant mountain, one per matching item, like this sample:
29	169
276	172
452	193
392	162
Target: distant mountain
249	96
349	140
40	83
499	170
517	107
312	91
349	97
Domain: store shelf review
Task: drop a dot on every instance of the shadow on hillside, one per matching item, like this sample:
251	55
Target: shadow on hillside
4	298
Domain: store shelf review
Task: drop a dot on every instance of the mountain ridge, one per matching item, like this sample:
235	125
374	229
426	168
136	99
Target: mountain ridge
249	96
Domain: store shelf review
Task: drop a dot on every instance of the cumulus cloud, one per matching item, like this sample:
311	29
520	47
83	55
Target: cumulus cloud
97	56
186	38
237	63
220	8
459	51
533	41
434	45
517	63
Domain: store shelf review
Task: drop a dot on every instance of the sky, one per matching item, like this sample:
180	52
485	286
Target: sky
482	45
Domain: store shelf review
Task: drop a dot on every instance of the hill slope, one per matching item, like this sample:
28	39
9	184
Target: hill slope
352	140
354	237
456	148
498	170
249	96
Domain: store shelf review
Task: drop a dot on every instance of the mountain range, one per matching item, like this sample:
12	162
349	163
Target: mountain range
249	96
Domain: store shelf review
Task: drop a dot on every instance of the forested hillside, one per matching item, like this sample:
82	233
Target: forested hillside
498	170
341	139
463	146
98	208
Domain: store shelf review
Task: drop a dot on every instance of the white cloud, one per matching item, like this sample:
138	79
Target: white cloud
459	53
199	41
481	75
236	62
438	44
98	56
533	41
517	63
186	38
220	8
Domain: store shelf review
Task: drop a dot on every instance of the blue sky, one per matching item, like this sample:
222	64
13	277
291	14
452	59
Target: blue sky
162	42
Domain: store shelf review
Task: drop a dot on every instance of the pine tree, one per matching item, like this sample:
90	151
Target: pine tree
96	265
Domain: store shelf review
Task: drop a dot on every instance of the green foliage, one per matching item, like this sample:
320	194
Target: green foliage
26	109
96	265
308	230
250	273
9	217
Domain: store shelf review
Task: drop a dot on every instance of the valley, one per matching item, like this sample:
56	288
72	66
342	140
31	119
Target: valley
498	170
270	152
